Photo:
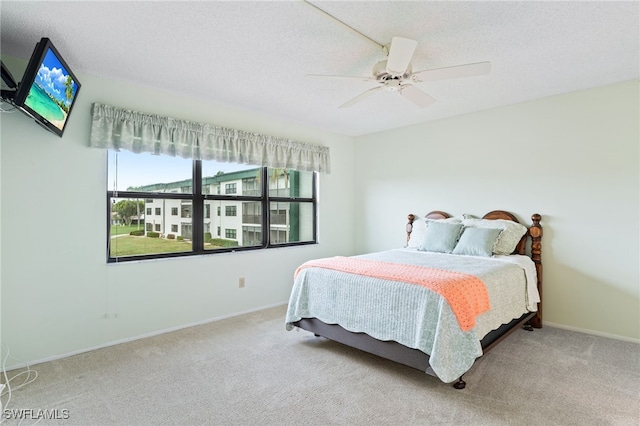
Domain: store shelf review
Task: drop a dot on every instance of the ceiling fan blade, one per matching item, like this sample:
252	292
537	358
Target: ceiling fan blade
360	97
349	77
468	70
400	54
416	95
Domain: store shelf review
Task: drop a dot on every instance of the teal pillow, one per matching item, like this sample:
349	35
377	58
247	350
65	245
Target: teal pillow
441	237
510	236
477	241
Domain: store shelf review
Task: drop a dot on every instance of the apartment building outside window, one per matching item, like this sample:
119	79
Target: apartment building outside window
259	207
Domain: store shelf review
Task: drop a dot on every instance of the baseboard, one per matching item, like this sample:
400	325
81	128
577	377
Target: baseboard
210	320
592	332
141	336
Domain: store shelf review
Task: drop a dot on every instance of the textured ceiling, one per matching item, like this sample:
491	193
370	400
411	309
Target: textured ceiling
255	55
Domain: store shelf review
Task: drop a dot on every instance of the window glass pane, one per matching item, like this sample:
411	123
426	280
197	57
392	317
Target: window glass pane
149	173
291	222
290	183
165	225
239	224
136	229
230	179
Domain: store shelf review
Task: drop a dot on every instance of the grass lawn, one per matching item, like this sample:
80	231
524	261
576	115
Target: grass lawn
128	245
124	229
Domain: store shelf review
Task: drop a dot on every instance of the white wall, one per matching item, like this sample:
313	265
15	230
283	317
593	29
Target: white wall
572	158
57	289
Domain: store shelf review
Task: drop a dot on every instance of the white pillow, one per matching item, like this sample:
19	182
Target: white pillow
457	219
508	239
417	233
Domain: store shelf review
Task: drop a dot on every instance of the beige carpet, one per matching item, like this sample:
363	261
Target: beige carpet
249	371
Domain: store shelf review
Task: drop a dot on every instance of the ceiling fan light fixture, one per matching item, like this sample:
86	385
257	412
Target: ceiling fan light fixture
380	72
392	86
394	74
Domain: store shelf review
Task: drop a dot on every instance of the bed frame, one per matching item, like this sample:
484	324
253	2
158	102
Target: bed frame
529	244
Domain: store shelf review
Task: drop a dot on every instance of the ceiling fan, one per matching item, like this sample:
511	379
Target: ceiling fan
395	74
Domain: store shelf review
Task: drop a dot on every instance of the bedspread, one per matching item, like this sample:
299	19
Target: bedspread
465	294
409	314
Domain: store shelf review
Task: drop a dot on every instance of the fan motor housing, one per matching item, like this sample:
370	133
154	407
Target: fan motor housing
380	72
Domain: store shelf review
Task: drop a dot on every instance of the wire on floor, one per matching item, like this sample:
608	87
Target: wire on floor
29	376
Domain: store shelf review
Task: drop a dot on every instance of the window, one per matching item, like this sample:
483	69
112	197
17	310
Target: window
185	210
230	188
251	212
251	186
252	233
255	207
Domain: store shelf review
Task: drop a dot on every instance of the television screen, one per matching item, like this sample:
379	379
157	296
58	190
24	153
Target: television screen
48	89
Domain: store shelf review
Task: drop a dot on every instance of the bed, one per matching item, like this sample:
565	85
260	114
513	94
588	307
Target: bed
459	286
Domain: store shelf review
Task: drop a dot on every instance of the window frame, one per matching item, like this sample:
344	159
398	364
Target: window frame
198	198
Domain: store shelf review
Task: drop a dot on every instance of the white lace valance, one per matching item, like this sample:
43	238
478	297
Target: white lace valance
116	128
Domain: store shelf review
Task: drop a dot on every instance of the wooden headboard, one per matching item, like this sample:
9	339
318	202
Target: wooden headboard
533	234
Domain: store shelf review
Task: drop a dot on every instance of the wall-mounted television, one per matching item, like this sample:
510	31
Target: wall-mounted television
49	89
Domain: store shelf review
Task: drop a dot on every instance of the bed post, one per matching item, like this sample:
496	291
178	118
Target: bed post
536	251
411	218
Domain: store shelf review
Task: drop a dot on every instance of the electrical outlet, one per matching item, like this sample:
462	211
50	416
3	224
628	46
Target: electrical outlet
241	282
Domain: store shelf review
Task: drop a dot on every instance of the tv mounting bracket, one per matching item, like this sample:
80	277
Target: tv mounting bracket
8	79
